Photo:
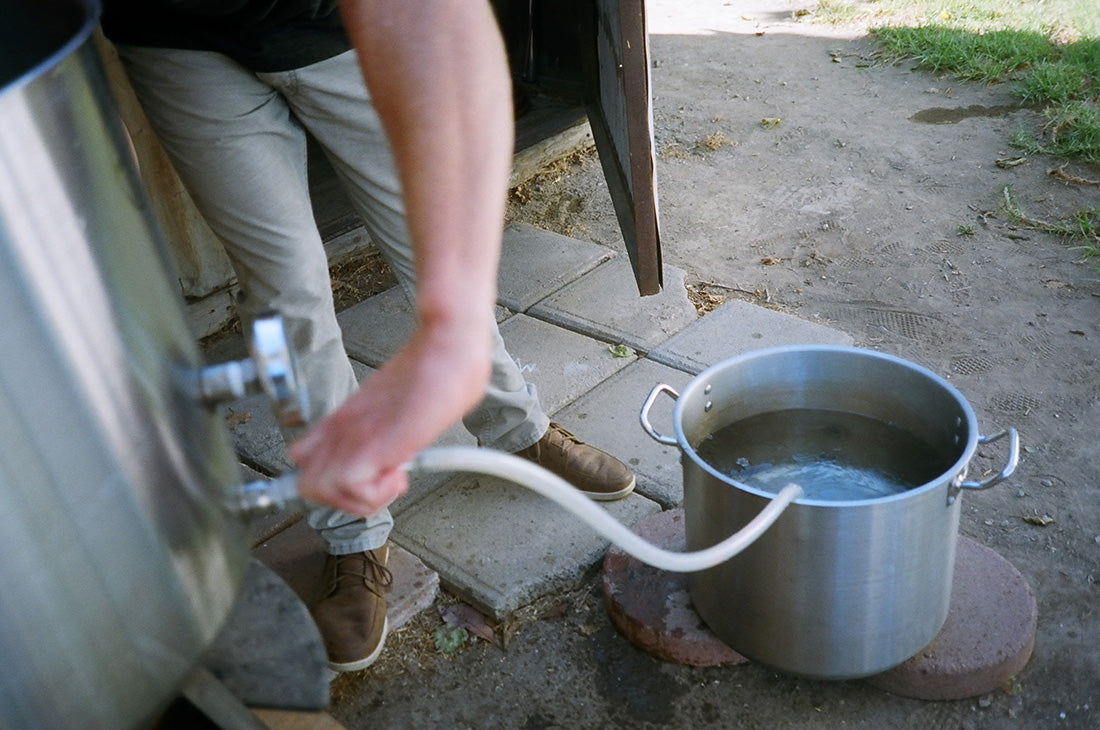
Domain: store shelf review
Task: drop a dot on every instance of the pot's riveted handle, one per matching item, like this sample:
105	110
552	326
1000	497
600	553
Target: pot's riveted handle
1009	469
648	405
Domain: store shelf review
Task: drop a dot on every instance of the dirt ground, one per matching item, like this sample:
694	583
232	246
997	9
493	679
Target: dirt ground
866	209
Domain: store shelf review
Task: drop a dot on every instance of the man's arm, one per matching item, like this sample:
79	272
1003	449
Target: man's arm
438	75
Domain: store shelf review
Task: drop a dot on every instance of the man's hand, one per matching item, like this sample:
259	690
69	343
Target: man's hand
352	459
438	75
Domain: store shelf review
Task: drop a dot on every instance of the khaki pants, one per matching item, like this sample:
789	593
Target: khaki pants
237	141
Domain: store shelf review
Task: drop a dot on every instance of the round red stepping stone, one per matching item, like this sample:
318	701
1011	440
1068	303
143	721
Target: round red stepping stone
652	607
987	638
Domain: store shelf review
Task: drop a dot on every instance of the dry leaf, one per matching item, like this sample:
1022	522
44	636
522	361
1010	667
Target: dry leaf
470	619
238	418
1040	521
555	612
771	260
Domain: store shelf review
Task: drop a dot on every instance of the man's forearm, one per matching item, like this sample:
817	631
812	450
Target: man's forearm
439	78
438	75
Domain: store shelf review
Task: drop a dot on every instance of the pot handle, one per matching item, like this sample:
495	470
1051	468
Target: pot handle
657	390
1009	469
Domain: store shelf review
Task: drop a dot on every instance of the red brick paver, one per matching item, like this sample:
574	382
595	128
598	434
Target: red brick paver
987	637
652	608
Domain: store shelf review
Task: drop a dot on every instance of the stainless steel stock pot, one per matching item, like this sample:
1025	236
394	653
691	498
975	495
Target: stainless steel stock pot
833	589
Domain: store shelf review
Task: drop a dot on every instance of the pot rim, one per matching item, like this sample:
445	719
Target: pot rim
82	33
956	472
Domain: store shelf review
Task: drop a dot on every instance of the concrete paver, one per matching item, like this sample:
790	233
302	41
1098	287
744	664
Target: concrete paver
499	546
562	365
607	417
737	327
255	435
605	304
987	638
535	263
376	328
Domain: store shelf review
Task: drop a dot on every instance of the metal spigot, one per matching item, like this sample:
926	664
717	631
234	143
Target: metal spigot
271	369
266	496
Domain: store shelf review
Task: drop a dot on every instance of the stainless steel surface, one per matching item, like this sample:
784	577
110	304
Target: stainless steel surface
265	496
834	589
119	562
277	370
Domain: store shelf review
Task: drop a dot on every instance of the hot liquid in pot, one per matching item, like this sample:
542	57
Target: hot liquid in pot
833	455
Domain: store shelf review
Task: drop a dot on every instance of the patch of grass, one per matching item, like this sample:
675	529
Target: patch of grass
1051	82
1063	79
1071	131
985	57
1049	50
1083	226
1062	20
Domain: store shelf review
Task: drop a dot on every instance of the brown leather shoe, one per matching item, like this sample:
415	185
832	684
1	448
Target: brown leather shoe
594	473
352	615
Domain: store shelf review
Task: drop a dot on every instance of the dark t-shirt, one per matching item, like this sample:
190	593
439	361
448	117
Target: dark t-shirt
262	35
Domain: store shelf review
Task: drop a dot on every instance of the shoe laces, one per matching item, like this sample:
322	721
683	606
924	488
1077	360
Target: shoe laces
363	568
564	439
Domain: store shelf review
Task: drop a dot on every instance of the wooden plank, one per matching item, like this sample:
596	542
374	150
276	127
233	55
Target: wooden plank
289	720
201	263
621	114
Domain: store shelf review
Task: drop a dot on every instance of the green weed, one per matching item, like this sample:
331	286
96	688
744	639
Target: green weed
1084	226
